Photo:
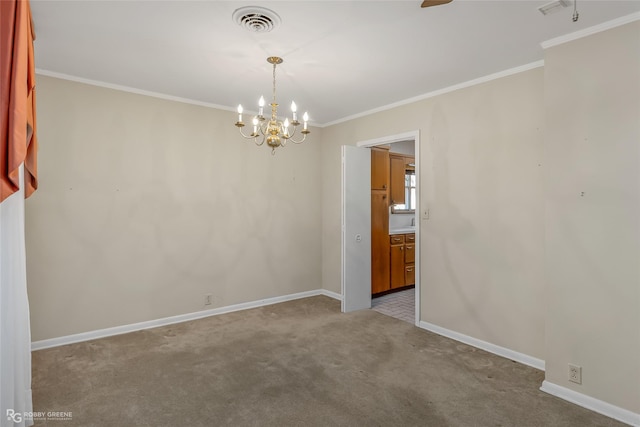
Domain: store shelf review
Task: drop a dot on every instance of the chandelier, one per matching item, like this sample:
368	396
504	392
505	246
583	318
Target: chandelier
275	132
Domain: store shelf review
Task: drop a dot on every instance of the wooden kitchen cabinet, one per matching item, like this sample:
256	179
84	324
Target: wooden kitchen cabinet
396	239
409	259
379	168
379	241
409	163
392	257
402	260
379	219
396	260
410	275
397	180
409	253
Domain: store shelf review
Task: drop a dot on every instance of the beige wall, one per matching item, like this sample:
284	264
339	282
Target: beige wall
513	252
137	216
146	205
481	178
592	198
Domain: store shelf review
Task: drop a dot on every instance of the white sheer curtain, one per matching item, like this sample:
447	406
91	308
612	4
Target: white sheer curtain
15	333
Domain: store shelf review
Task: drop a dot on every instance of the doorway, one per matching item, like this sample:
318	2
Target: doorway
352	287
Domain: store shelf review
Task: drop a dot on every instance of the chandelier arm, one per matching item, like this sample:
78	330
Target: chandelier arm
255	138
263	128
304	136
293	131
246	136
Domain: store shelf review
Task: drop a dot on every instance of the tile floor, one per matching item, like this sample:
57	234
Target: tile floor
400	305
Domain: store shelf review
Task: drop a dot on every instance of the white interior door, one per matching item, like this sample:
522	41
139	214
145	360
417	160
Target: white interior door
356	228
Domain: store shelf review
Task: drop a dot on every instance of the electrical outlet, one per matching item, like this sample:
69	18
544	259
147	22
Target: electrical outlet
207	299
575	374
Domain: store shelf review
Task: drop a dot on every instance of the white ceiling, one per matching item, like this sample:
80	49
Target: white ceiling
341	58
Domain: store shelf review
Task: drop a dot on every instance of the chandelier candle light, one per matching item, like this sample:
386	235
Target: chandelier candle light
275	132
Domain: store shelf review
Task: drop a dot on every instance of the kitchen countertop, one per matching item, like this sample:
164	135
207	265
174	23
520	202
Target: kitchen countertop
402	230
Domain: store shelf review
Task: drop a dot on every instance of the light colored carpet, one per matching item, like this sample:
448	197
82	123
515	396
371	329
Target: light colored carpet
299	363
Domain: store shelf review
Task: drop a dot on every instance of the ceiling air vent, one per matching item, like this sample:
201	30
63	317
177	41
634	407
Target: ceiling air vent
256	19
554	6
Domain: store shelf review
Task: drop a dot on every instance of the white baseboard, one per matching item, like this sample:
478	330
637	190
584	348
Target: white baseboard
591	403
487	346
331	294
117	330
579	399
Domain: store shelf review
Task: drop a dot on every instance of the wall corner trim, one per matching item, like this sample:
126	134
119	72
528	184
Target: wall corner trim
591	30
123	329
483	345
591	403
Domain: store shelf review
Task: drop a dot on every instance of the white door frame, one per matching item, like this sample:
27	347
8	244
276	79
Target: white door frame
407	136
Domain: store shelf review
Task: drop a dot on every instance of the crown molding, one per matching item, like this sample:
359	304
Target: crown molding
130	89
463	85
480	80
591	30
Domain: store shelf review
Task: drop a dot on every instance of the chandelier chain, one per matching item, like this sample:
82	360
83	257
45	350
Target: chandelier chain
274	83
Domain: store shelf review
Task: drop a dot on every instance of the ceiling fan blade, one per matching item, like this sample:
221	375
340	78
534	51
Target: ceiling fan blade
427	3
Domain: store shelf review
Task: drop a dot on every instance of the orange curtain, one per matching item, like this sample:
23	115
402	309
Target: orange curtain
18	139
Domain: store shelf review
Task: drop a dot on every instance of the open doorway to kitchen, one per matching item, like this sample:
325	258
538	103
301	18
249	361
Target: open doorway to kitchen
395	229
